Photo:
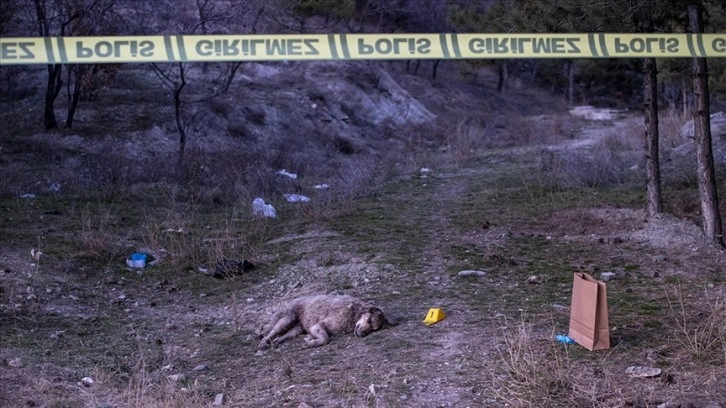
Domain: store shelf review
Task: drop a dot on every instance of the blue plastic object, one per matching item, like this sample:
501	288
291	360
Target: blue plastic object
138	256
564	339
137	260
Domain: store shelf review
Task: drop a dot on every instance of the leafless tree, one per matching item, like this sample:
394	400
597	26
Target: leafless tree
702	132
67	18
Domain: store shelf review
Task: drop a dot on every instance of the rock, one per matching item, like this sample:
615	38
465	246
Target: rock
177	377
718	127
607	276
218	400
534	280
296	198
200	367
16	362
471	273
87	381
593	113
260	208
643	372
286	173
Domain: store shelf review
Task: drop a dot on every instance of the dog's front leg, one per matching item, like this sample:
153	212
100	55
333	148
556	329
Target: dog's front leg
318	336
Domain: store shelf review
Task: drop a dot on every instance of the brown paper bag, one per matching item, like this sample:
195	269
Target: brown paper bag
589	313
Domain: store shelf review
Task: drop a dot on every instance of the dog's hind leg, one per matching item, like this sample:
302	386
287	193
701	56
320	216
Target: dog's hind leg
284	322
296	330
318	336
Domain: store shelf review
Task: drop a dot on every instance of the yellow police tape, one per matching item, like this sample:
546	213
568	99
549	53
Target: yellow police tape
173	48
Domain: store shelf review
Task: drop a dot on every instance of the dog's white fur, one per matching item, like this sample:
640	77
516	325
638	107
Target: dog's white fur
321	316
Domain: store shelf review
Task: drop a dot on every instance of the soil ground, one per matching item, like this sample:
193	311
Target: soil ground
170	336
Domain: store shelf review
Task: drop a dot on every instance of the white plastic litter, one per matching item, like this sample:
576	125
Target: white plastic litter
260	208
323	186
296	198
286	173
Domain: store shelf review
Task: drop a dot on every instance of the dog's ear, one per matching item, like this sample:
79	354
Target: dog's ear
375	311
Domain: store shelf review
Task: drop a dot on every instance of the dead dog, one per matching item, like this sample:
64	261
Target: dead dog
320	316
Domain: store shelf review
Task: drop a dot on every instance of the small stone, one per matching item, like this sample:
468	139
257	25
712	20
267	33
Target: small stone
87	381
659	258
218	400
642	372
607	276
534	280
304	405
57	335
176	377
200	367
15	362
471	273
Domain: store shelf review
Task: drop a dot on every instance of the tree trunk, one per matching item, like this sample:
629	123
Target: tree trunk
503	75
178	115
570	82
74	96
231	71
436	67
51	92
74	99
702	133
652	160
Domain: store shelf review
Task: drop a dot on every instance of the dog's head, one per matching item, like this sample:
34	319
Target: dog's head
369	321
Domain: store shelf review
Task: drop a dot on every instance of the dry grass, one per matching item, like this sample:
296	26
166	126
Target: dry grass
537	372
702	333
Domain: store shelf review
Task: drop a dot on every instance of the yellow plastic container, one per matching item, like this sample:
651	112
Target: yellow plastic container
434	316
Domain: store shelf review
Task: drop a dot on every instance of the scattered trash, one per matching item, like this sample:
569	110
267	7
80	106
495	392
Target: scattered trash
137	260
642	372
27	195
55	187
87	381
434	316
534	280
607	276
286	173
57	334
200	367
260	208
218	400
471	273
226	268
323	186
35	254
425	170
564	339
296	198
